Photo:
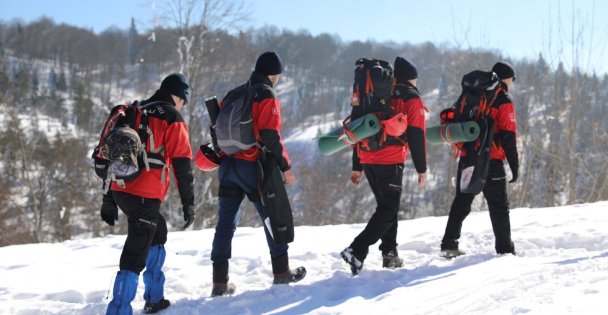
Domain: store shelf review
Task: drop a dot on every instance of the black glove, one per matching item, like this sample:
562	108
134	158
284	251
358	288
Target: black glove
109	210
188	215
515	174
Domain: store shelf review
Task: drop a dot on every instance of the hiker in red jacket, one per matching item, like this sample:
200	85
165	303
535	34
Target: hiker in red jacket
504	147
238	174
384	171
140	199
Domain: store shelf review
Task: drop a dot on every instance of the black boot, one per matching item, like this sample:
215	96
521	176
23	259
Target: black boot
449	248
220	281
282	273
391	259
356	263
152	308
220	289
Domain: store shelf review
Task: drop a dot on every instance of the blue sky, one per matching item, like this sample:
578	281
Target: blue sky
517	28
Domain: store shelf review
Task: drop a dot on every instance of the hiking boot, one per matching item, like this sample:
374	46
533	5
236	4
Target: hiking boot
282	273
289	276
349	257
221	289
507	248
451	253
152	308
391	260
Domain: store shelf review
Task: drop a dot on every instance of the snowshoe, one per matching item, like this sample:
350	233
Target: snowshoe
290	276
221	289
349	257
153	308
391	260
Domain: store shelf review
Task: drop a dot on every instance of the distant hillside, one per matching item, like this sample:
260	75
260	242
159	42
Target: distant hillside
68	77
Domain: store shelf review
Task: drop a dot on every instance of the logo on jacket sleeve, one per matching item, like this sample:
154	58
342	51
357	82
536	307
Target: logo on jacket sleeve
512	117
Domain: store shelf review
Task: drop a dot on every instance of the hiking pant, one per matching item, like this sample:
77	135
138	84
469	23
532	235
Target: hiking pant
147	227
237	179
495	192
385	182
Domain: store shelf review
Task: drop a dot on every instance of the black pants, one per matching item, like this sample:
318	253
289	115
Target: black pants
385	181
147	227
495	192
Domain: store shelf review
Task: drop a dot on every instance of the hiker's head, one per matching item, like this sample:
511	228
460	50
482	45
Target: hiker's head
271	65
405	71
505	72
177	85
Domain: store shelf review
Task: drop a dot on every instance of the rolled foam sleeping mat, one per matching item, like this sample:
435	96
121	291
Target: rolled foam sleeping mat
453	133
336	140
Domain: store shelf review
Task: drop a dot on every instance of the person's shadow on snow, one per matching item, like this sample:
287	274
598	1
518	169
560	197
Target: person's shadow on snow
579	259
340	287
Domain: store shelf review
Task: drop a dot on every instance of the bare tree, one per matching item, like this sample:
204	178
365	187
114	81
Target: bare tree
199	23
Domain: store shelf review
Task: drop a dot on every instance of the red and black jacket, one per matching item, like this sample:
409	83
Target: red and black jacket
505	129
266	115
405	99
170	136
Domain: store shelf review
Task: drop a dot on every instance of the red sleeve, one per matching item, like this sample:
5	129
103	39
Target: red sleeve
415	111
267	114
505	118
506	133
177	141
267	126
416	131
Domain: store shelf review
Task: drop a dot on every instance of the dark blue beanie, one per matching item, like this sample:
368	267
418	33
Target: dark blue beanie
176	84
269	63
504	70
405	70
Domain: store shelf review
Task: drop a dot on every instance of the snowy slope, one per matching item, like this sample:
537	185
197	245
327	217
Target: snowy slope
562	269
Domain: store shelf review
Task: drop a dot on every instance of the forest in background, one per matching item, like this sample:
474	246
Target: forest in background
57	72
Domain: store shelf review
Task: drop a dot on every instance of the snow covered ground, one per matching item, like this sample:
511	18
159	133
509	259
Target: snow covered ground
562	269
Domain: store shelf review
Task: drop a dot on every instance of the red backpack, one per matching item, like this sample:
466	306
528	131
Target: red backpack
121	154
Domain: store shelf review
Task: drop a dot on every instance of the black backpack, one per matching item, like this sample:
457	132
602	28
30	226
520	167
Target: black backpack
372	88
479	91
121	154
234	124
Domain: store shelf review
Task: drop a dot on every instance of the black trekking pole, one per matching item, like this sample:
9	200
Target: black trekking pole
213	108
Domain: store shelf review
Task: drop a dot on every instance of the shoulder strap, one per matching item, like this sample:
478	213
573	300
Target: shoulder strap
249	96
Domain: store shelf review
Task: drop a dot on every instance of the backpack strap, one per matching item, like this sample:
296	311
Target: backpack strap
249	98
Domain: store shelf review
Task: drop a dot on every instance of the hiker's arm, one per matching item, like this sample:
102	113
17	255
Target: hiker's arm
416	133
267	116
178	149
506	123
182	169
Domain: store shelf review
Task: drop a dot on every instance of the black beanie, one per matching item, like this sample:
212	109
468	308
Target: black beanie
405	70
176	84
269	63
503	70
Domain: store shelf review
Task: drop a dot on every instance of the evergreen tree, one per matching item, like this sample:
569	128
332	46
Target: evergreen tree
83	106
61	82
132	43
